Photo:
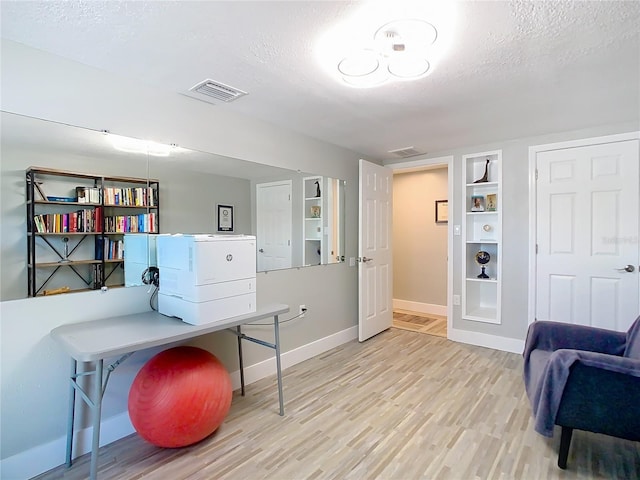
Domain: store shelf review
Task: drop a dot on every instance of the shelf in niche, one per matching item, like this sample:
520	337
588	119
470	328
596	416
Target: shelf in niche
482	185
486	315
483	280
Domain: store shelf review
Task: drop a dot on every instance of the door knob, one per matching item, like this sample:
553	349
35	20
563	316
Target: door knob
628	268
261	250
364	259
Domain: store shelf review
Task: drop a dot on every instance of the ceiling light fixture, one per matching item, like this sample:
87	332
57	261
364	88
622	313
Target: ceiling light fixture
396	51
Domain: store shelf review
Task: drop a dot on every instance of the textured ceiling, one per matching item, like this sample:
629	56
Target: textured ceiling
513	69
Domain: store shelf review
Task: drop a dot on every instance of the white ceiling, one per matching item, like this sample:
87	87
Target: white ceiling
513	69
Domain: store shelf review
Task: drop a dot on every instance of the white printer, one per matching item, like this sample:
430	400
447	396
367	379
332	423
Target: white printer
206	278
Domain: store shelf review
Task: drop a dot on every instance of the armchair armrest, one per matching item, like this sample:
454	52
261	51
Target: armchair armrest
547	391
551	336
603	399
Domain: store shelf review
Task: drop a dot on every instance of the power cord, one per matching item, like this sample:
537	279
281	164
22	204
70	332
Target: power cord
153	295
304	310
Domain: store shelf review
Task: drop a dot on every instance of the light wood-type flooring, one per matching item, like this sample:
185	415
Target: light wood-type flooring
398	406
420	322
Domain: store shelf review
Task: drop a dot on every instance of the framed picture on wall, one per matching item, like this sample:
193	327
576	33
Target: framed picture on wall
225	218
442	211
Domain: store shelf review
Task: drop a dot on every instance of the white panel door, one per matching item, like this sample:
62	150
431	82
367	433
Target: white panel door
587	233
273	225
375	312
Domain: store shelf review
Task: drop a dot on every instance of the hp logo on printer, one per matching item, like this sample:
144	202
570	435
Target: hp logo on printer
229	257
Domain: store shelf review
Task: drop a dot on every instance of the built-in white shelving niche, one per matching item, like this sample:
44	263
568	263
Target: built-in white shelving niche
482	232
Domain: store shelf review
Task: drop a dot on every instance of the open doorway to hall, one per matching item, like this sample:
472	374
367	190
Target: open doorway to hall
420	249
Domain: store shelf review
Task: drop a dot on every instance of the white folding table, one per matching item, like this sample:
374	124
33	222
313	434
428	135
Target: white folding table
94	341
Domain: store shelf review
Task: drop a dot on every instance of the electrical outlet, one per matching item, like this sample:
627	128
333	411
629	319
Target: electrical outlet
456	299
302	310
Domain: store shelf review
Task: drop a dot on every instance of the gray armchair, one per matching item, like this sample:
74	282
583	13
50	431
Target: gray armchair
583	378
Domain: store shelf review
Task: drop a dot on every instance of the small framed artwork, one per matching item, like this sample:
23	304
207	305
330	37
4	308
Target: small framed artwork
225	218
492	202
442	211
477	203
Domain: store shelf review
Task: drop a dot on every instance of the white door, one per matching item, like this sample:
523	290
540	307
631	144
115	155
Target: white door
375	312
587	234
273	225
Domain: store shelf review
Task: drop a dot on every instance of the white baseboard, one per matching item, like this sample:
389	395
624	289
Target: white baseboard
44	457
505	344
49	455
428	308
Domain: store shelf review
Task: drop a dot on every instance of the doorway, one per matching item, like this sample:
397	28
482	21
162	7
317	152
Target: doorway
422	242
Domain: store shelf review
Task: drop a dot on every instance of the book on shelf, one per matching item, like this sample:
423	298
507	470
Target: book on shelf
140	223
61	199
109	249
80	221
130	197
88	194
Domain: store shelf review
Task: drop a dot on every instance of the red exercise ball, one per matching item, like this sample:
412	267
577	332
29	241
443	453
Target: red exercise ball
179	397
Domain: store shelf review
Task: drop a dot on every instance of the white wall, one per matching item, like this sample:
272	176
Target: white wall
419	243
34	390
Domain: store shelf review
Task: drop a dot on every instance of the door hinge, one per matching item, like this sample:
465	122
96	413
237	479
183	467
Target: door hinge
288	243
536	248
536	174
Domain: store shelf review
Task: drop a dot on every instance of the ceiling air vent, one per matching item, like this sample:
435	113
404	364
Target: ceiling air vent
215	90
406	152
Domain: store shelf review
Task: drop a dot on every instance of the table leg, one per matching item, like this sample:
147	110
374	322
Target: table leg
276	331
241	362
71	410
97	410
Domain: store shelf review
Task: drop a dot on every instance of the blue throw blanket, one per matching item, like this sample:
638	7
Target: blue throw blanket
550	351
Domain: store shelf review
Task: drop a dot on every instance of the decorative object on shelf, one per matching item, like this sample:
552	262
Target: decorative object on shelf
477	203
318	192
315	211
57	291
492	202
442	211
225	218
485	177
65	258
482	258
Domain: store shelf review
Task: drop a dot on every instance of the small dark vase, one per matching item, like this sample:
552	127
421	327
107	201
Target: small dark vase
317	189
